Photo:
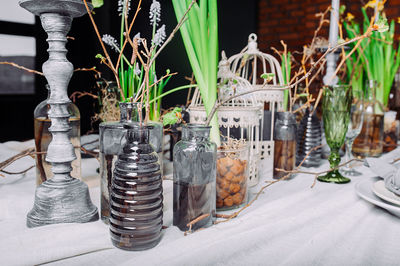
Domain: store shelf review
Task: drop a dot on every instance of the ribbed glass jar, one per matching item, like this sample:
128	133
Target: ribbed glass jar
136	199
194	174
111	137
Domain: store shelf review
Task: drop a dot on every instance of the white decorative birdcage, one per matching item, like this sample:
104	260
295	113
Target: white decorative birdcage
238	118
248	64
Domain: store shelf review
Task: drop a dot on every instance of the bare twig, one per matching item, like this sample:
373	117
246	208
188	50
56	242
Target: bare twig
22	68
198	219
18	173
109	61
79	94
317	174
22	154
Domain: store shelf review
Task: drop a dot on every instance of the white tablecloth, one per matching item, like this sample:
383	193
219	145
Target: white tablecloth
290	224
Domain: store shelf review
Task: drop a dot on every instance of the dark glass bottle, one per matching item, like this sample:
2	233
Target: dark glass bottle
309	136
194	178
136	199
112	139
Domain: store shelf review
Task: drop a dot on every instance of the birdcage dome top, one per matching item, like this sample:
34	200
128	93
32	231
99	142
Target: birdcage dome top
250	63
231	84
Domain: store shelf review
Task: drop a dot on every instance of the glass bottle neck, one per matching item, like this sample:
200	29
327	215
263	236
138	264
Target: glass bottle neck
128	112
137	133
286	118
192	132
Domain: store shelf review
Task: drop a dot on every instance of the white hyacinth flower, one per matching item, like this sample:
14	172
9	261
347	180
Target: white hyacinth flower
155	13
137	70
121	6
160	36
137	36
111	41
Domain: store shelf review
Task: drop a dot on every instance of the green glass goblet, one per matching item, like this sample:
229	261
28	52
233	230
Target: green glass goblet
336	105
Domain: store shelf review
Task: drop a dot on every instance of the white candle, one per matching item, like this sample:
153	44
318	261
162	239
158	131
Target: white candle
329	78
333	26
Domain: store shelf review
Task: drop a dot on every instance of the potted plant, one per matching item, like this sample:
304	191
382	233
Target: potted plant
380	61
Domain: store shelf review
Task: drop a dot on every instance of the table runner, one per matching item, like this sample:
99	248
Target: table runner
290	224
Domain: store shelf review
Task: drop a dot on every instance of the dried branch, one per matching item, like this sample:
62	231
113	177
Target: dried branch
18	173
316	174
127	36
79	94
22	67
93	69
109	62
163	77
198	219
91	153
22	154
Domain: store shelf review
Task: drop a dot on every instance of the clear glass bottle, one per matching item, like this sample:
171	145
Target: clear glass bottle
111	138
136	195
369	143
285	143
194	178
43	138
157	140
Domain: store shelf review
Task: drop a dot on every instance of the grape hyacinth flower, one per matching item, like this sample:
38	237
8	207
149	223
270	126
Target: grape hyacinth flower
160	36
121	5
111	41
137	70
137	37
155	13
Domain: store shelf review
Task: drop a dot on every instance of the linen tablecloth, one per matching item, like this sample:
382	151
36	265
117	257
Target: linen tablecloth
290	224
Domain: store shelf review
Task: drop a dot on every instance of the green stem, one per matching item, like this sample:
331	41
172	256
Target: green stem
173	90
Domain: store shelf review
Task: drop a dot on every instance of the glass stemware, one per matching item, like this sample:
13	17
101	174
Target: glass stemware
336	104
354	128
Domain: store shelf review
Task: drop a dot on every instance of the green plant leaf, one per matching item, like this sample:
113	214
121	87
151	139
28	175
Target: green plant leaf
172	117
97	3
267	76
342	9
381	25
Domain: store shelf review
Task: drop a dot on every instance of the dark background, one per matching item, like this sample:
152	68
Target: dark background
237	19
273	20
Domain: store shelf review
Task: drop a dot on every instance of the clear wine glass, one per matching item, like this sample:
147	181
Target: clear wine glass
354	128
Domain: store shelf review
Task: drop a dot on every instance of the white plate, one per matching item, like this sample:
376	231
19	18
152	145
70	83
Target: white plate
363	189
381	191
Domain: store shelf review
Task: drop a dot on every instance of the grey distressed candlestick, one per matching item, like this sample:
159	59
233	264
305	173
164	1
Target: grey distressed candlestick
62	199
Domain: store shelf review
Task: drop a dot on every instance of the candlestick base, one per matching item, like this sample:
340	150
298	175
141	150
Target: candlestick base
65	201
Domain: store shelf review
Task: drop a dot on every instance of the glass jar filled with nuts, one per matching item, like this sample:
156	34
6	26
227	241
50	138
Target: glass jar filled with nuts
232	176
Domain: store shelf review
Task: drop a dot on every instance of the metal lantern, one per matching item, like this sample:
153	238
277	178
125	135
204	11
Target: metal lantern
249	64
238	118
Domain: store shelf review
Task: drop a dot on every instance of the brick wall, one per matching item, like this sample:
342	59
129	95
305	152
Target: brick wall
294	21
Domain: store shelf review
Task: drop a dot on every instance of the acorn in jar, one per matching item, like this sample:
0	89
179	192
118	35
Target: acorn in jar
232	176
